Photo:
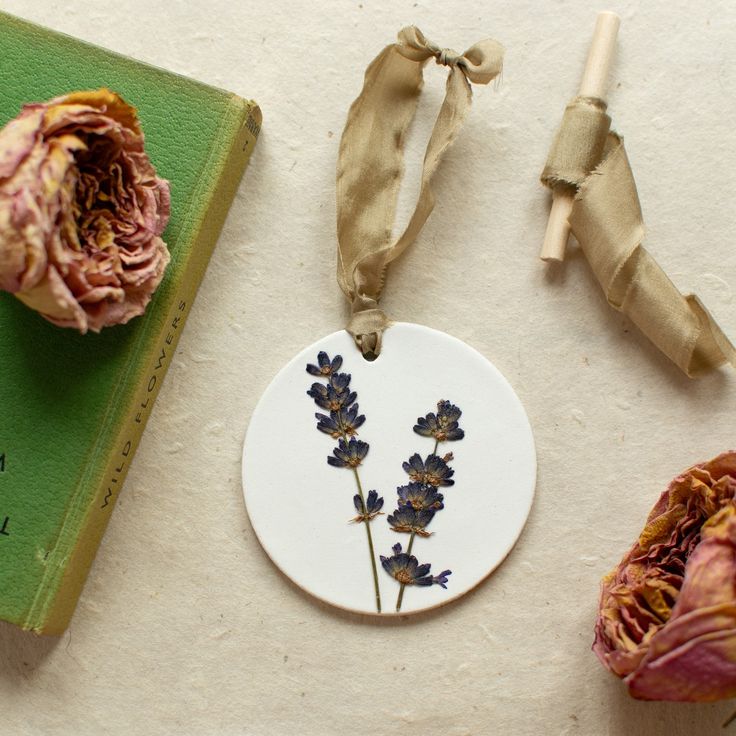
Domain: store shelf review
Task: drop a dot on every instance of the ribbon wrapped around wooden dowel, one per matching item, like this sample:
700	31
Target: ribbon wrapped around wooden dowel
370	165
607	222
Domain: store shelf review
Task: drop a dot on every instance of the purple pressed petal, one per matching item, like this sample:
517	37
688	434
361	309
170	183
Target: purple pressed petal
422	570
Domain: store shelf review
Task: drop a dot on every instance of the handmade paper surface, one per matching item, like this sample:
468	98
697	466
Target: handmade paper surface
184	626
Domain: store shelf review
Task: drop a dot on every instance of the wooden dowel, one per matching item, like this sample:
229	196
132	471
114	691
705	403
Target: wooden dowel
600	56
558	227
593	84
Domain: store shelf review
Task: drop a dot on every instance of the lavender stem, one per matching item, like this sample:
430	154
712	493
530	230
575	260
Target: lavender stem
370	541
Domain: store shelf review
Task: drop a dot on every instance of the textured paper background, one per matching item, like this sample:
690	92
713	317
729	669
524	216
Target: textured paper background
185	626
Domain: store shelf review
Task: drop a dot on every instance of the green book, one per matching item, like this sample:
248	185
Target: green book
73	406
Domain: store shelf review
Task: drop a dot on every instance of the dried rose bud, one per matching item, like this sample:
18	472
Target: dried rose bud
667	617
81	211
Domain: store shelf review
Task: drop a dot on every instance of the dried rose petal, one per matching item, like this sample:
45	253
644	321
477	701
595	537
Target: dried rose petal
81	211
667	616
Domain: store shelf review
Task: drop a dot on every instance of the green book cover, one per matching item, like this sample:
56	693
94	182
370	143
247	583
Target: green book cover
73	406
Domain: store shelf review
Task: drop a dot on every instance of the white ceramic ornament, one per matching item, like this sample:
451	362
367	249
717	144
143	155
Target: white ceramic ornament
301	507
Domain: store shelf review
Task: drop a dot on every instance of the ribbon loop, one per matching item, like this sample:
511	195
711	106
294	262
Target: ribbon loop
370	164
366	325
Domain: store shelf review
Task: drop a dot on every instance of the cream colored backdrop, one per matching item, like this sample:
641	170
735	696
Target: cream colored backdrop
185	627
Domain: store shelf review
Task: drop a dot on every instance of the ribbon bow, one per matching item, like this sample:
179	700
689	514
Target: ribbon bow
481	63
370	165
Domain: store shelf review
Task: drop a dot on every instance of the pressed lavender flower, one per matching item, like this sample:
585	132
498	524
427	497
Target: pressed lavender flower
325	366
428	426
322	396
329	424
420	496
374	502
340	423
433	471
373	506
331	398
409	520
350	419
405	568
447	412
441	579
443	425
348	454
340	382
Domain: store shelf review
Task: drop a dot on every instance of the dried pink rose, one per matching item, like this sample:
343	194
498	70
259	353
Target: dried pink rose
81	211
667	617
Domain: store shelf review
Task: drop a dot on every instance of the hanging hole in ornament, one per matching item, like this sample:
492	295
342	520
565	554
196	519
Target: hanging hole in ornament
369	345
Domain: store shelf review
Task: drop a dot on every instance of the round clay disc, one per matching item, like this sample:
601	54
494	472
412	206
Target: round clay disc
301	507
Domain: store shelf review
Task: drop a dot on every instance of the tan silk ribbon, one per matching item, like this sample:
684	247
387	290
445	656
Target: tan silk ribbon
607	222
370	165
